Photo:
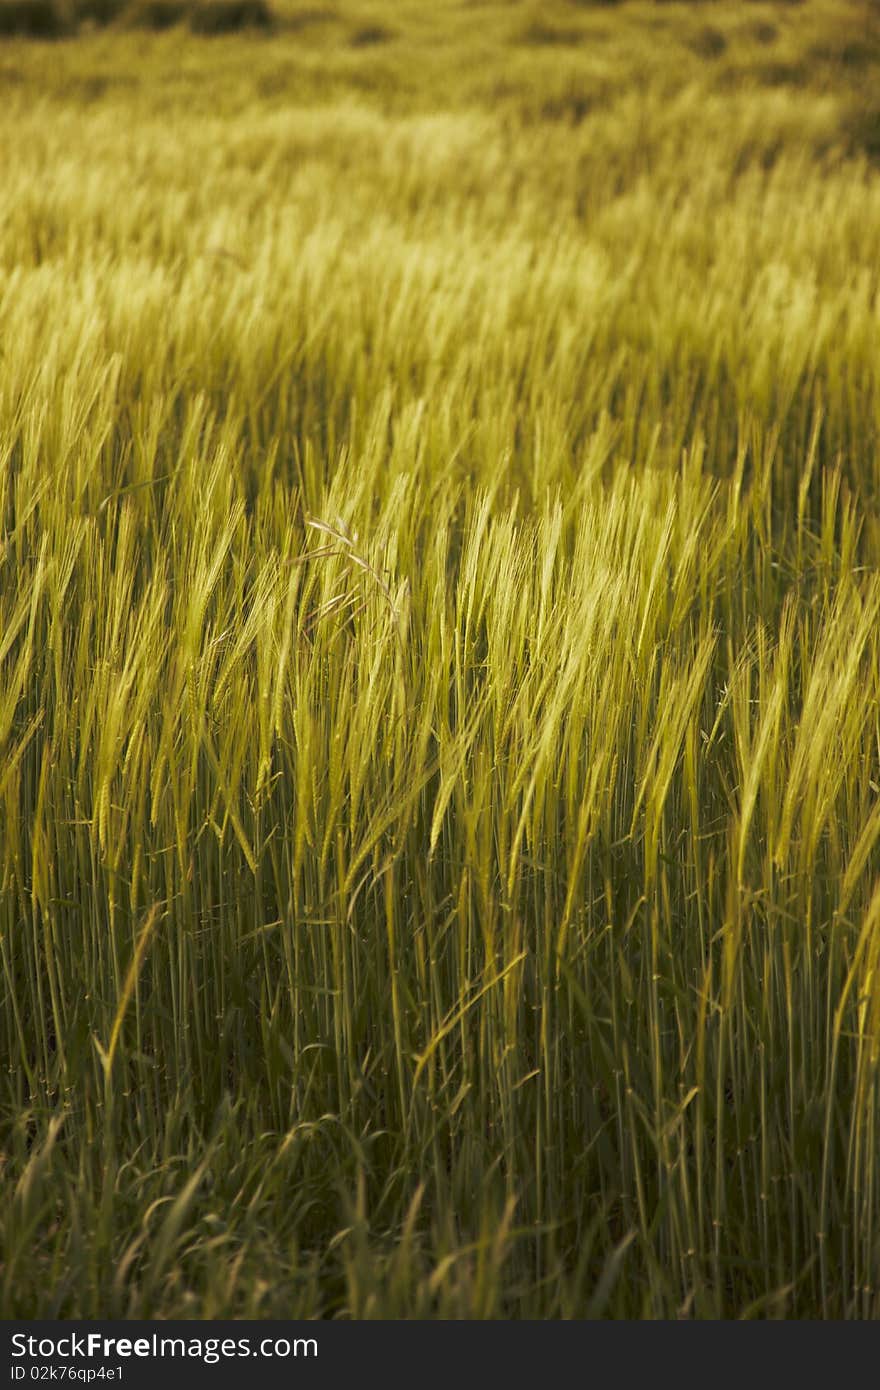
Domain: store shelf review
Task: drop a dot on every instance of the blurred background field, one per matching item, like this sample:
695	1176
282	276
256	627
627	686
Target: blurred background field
439	658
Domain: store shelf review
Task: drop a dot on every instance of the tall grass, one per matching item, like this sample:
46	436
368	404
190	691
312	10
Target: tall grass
439	670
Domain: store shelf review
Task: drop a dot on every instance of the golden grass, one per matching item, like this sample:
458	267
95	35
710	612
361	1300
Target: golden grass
439	664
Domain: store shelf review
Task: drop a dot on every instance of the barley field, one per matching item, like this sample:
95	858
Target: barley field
440	659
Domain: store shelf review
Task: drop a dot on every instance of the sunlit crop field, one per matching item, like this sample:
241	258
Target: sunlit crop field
440	662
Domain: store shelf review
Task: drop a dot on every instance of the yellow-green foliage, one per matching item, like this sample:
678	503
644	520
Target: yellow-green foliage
439	664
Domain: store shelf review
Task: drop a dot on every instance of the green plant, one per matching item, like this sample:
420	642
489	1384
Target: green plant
439	673
33	19
211	17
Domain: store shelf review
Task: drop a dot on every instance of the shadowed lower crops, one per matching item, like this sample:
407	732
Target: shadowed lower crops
439	665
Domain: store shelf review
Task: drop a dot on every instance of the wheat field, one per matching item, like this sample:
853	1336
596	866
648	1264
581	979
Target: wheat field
440	662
